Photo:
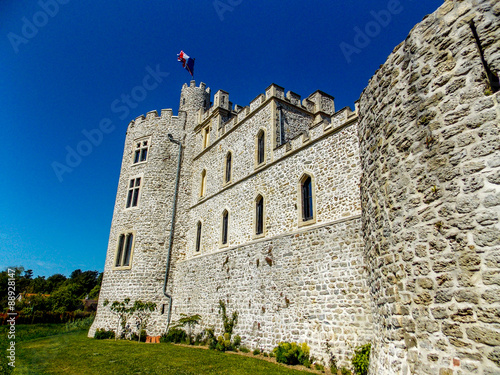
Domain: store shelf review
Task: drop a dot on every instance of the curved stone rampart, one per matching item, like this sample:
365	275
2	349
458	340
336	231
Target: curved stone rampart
430	150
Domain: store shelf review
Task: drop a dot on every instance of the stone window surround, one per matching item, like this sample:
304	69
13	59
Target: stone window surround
205	133
262	131
140	148
203	183
224	168
199	236
125	233
131	207
221	244
263	234
303	177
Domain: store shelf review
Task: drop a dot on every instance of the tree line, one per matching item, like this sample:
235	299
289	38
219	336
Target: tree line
56	293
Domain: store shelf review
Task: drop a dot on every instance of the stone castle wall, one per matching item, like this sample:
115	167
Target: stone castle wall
412	265
430	149
308	286
294	283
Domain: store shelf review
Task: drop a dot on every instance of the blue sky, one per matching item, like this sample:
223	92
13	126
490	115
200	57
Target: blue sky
64	63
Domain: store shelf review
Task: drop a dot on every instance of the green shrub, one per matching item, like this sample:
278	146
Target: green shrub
361	359
237	341
224	343
265	354
256	352
345	371
211	339
292	353
175	335
244	349
200	338
319	367
102	334
135	337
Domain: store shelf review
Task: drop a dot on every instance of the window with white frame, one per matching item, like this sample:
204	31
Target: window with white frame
141	150
134	188
124	250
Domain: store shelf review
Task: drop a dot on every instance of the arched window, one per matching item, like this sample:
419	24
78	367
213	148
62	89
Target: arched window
227	167
259	215
225	224
307	198
198	236
261	147
203	187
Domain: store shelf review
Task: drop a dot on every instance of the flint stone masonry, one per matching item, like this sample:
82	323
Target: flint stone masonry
411	263
429	145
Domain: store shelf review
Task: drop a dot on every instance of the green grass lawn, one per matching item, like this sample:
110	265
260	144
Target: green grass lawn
74	353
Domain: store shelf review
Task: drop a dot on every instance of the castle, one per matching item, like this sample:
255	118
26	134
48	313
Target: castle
375	225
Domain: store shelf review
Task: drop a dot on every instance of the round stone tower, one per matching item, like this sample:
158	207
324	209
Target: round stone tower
156	149
430	149
194	98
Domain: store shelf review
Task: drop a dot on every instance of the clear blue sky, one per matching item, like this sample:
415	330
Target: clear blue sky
64	65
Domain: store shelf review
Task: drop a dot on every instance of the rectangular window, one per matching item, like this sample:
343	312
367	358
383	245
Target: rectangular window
225	222
141	151
260	148
307	200
133	192
228	168
206	137
259	215
198	237
124	249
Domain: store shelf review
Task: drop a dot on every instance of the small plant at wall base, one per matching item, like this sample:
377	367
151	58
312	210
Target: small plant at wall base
102	334
361	359
122	311
228	323
292	353
190	321
223	343
175	335
143	311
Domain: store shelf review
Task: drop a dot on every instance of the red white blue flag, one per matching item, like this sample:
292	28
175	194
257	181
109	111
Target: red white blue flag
187	62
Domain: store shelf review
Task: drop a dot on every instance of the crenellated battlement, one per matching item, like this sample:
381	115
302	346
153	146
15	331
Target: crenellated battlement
318	107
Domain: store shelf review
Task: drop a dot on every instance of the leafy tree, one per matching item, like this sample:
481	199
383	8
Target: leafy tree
143	311
54	282
65	299
122	311
188	320
37	285
84	282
